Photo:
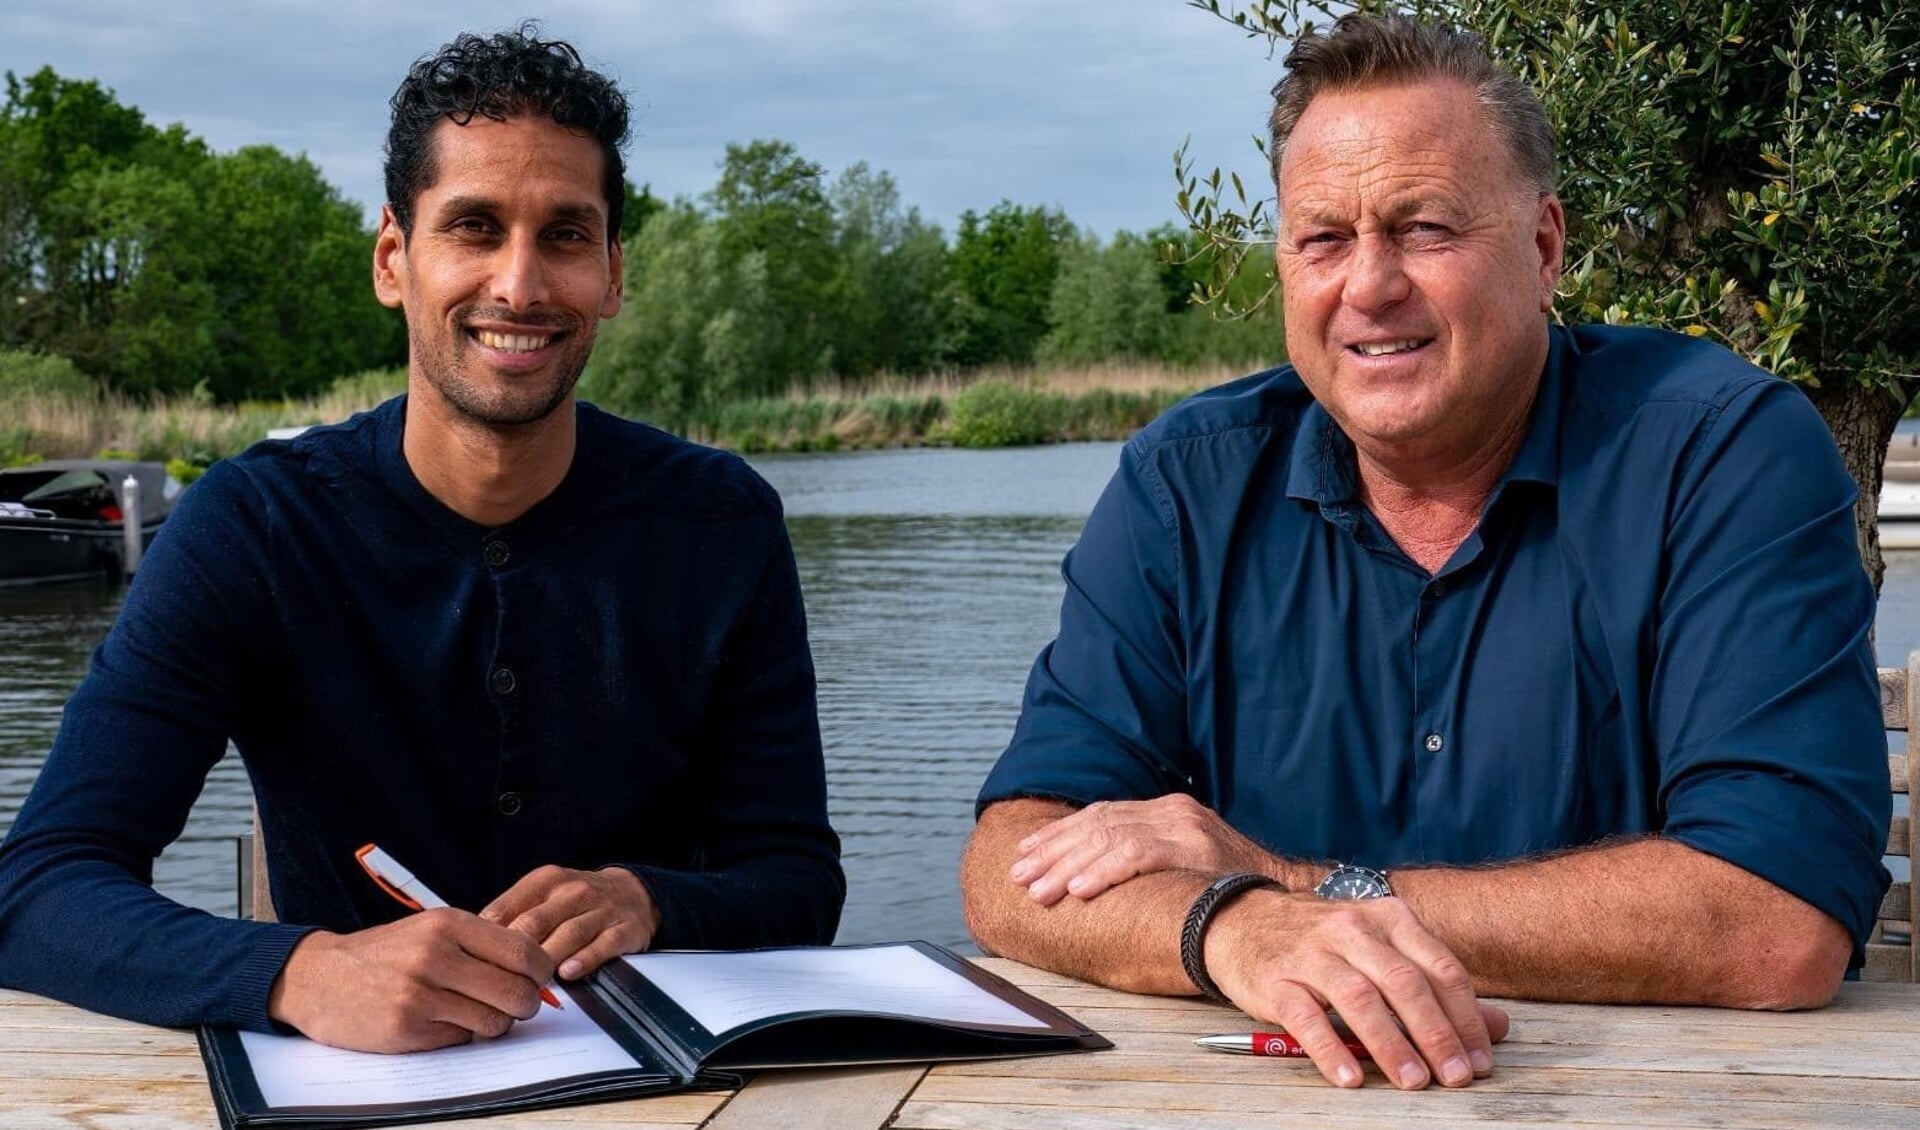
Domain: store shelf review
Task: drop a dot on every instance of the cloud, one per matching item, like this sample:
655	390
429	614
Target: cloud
1074	103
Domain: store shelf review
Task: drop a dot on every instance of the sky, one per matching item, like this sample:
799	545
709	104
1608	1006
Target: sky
1074	104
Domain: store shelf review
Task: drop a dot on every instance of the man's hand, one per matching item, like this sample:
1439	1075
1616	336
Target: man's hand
583	919
1108	842
430	980
1291	957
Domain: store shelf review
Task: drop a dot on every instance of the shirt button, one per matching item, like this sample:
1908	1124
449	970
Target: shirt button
509	804
496	553
1437	589
502	681
1434	743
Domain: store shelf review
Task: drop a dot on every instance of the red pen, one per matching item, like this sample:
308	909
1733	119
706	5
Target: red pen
412	893
1271	1043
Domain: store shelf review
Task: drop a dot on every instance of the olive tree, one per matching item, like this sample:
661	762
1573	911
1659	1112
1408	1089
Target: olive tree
1743	172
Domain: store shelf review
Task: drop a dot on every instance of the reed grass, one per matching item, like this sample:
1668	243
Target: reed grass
892	410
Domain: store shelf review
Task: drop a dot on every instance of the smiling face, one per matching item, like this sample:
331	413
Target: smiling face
507	271
1416	264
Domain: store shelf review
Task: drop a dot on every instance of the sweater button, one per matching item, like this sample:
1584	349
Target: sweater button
502	681
509	804
496	553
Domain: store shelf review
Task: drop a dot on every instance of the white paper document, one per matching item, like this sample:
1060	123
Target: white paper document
722	991
293	1071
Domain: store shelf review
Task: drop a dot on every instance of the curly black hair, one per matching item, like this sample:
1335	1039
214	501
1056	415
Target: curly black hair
510	74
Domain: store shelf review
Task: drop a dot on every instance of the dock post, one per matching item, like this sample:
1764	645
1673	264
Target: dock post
130	524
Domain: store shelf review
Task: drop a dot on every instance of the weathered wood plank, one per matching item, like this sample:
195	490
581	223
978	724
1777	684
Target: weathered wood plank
1898	905
1866	1055
972	1116
1679	1086
82	1041
1898	1001
851	1098
1473	1104
167	1105
1897	772
1888	963
162	1106
261	889
1848	1014
132	1067
1893	698
1899	842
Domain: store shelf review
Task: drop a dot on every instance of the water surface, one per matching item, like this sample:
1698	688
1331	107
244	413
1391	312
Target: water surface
931	579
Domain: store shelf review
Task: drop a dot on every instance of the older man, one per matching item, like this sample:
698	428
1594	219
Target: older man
555	662
1467	652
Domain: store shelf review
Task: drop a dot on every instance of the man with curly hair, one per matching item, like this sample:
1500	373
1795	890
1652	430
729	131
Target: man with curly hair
552	660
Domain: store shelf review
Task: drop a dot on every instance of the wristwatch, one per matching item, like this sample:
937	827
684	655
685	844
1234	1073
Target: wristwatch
1352	881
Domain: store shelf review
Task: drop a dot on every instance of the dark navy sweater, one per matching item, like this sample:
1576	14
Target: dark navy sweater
620	676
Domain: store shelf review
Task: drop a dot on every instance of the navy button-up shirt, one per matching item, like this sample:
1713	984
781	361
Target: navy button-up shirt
1659	625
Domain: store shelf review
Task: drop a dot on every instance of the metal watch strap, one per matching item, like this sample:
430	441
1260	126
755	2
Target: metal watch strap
1193	934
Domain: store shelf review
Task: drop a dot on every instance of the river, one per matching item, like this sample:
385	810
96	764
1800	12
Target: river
931	579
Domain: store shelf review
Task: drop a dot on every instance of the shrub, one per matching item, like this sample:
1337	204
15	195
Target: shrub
1001	414
185	471
41	374
371	386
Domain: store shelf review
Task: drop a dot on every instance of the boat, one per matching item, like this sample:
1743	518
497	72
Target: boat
61	520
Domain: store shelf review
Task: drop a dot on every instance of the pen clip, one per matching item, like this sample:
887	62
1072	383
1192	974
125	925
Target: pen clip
373	873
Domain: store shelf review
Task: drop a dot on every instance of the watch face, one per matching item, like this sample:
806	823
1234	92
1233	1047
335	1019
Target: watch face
1352	882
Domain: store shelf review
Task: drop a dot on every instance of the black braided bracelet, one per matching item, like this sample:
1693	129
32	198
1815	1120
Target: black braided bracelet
1193	934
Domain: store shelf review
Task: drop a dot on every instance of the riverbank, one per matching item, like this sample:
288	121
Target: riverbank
991	408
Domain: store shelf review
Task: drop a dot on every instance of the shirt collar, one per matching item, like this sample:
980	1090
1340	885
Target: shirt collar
1322	467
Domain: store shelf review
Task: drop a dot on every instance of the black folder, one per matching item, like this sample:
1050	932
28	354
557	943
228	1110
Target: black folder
672	1049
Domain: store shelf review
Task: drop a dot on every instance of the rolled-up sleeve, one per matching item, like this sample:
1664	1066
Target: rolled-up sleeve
1104	713
1765	703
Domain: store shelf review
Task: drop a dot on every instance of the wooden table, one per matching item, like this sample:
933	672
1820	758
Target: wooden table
1854	1064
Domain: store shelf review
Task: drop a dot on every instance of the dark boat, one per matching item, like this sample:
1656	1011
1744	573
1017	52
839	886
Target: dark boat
61	520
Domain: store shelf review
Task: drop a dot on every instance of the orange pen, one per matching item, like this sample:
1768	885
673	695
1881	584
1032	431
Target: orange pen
412	893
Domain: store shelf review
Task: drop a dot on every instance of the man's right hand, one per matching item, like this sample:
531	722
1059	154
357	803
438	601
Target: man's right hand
430	980
1289	958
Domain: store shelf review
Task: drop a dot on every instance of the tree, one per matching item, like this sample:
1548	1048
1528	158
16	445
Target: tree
1108	303
294	309
641	205
1004	264
162	267
695	329
892	281
1741	172
772	202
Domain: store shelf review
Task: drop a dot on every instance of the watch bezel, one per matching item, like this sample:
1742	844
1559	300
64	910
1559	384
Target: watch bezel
1378	886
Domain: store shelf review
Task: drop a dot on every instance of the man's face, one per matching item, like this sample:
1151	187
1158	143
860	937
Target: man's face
1415	265
508	269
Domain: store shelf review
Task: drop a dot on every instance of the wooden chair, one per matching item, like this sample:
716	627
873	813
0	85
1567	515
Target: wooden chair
1893	949
262	891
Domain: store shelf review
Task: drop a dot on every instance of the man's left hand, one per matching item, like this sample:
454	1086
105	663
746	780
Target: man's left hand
583	919
1109	842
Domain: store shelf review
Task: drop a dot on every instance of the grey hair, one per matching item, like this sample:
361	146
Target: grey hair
1391	49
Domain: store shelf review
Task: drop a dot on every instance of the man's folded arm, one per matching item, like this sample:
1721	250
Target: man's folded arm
1128	939
1648	920
1645	921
